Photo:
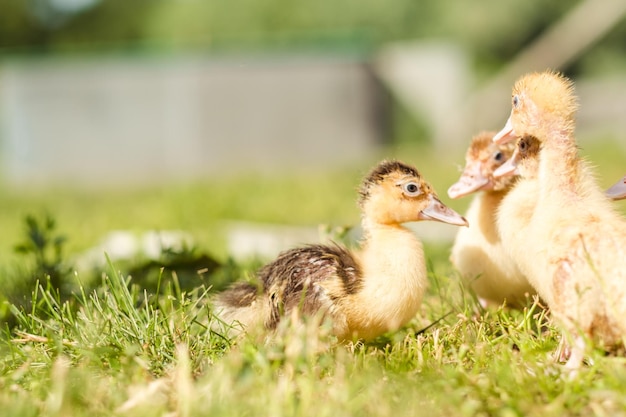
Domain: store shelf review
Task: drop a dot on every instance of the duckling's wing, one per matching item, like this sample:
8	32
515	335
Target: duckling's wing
298	277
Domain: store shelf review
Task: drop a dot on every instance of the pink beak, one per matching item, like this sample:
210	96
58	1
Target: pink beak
438	211
510	167
472	179
506	134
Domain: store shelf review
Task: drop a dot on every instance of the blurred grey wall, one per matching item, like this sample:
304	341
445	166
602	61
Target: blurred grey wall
135	120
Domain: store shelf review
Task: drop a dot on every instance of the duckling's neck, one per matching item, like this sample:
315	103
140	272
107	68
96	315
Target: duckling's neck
567	180
394	279
392	256
559	165
487	204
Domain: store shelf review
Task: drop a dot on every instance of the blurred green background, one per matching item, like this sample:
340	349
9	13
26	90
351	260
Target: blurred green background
53	35
493	32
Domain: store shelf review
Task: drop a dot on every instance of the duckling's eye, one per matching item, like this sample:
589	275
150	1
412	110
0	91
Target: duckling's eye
498	156
411	189
515	101
523	145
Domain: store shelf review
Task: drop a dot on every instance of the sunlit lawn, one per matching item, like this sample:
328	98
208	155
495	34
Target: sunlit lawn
126	352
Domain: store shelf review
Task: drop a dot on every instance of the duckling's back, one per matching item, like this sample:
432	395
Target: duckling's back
241	307
293	281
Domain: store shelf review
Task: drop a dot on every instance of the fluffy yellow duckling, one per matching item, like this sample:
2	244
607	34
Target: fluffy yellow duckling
573	247
365	292
478	253
618	190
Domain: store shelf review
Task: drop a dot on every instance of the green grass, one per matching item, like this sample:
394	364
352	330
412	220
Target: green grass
118	347
120	351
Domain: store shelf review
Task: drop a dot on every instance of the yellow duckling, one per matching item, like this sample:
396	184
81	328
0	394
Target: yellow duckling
366	292
478	253
572	249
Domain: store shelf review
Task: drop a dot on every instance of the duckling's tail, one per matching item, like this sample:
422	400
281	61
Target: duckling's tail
242	307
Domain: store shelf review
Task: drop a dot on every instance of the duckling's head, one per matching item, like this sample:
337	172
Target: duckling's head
395	193
524	161
543	104
483	157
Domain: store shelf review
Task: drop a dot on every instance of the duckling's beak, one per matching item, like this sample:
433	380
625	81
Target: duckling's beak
618	190
472	179
438	211
506	134
510	167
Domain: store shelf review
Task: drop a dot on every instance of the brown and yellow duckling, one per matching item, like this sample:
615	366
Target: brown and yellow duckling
365	292
478	253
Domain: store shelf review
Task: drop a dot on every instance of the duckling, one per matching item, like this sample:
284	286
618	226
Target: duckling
364	292
517	207
618	190
573	247
477	252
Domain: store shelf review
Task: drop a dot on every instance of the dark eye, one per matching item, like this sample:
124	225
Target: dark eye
498	156
515	101
411	189
523	145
